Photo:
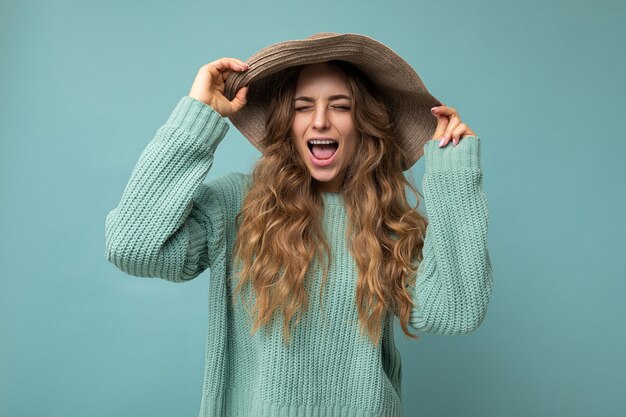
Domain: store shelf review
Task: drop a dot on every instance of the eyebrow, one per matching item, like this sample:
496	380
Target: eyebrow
335	97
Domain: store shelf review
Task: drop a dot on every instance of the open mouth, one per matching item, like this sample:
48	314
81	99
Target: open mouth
322	148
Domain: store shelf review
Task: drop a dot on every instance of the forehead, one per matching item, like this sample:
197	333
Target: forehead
322	76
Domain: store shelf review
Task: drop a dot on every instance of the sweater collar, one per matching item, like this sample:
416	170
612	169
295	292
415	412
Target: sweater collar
335	199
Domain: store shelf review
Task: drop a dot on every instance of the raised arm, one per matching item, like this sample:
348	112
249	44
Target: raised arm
165	220
455	279
168	224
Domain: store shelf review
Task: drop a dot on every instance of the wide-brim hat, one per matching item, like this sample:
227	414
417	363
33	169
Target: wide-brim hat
406	96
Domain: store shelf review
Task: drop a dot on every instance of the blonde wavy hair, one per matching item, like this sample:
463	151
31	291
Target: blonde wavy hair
279	226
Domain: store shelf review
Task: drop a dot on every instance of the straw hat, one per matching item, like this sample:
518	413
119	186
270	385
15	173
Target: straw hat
406	96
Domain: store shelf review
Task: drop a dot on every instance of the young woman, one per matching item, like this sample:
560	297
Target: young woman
315	252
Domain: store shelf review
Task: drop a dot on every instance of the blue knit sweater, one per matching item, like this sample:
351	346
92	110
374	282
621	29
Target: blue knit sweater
171	225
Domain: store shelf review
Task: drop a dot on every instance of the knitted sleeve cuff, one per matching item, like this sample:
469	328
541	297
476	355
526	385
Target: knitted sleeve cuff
197	118
466	155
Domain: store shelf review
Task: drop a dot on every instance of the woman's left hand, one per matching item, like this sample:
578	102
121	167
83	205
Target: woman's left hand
449	126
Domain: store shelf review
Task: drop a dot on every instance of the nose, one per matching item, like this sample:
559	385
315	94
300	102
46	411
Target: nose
320	121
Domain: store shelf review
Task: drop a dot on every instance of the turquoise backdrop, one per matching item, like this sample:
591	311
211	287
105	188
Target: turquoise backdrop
84	86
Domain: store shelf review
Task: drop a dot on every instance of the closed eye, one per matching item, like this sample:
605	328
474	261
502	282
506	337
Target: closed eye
343	108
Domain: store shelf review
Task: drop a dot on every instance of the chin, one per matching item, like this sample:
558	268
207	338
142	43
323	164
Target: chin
324	177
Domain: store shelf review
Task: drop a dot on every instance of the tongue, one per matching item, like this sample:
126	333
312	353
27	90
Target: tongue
323	151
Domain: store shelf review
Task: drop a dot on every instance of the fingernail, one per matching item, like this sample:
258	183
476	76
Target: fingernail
433	109
441	142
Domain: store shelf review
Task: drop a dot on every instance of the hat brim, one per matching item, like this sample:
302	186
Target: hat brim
406	95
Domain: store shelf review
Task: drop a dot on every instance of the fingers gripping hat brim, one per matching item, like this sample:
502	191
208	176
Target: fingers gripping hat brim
406	96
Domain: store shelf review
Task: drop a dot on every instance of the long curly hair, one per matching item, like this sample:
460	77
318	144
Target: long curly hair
280	233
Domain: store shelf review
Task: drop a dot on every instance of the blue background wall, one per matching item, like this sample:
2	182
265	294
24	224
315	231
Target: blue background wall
85	85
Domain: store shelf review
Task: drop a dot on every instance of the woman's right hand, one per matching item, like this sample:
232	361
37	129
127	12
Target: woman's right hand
208	86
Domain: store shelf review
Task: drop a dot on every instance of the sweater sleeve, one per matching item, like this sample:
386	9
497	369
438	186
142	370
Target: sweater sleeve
454	279
164	225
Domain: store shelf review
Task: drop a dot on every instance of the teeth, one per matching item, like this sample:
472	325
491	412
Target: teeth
321	141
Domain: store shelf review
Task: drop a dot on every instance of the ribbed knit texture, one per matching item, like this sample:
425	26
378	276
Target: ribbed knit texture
171	225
